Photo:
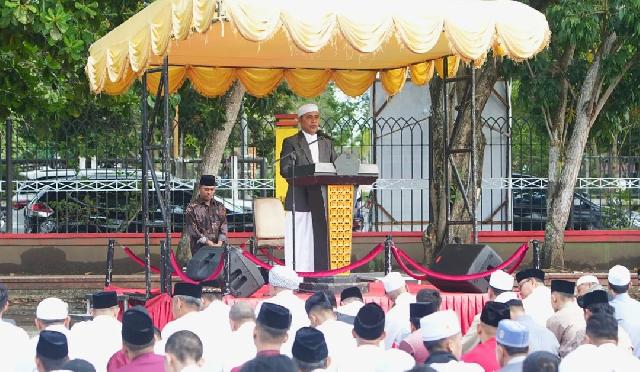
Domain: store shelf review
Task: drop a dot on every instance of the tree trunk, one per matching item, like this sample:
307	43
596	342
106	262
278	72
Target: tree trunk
564	163
213	152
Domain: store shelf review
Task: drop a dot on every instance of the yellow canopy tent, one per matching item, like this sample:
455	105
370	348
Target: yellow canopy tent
310	43
306	43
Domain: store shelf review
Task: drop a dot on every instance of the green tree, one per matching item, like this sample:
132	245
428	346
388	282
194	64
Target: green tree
594	47
43	49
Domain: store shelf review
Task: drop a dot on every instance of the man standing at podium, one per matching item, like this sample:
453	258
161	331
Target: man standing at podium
308	146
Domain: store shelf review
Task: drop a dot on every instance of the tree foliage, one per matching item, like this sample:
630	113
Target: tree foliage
43	49
571	87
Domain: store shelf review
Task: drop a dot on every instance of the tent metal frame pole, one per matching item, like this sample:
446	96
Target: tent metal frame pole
164	196
453	178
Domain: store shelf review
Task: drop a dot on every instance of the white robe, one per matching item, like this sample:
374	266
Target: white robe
14	346
97	340
369	358
538	305
304	242
397	324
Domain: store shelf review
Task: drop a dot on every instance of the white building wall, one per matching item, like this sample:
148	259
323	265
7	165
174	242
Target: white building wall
404	154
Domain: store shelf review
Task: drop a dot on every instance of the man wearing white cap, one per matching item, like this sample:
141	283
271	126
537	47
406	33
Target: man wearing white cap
585	284
52	314
441	336
308	146
512	345
397	326
282	282
627	309
500	290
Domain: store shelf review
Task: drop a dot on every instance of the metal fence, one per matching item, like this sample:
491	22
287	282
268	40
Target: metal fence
84	176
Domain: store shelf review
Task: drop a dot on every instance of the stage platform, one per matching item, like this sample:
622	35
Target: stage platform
466	305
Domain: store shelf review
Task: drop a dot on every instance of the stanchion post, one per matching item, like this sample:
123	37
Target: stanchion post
226	269
387	254
167	269
108	270
537	257
163	273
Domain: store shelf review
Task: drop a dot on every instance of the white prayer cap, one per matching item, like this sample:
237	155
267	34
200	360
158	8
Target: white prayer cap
587	279
392	281
52	308
619	275
501	280
306	108
439	325
284	277
504	297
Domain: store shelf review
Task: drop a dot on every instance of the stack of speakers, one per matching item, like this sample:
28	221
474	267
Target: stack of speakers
245	277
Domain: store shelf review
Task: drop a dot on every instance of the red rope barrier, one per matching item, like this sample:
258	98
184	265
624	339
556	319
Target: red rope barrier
138	260
265	252
402	256
364	260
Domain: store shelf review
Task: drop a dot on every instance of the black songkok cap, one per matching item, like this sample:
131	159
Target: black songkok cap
104	300
207	180
78	365
369	323
594	297
351	292
514	302
421	309
529	273
137	327
322	299
187	289
563	286
274	316
52	345
493	312
309	346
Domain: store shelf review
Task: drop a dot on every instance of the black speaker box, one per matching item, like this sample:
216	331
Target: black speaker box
461	259
202	264
245	277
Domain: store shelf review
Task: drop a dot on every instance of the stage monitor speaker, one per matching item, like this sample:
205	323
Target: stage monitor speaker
202	264
461	259
245	277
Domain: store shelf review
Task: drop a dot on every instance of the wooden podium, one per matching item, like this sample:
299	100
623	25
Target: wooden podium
331	191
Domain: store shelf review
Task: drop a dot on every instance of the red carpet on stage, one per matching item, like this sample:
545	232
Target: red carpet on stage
466	305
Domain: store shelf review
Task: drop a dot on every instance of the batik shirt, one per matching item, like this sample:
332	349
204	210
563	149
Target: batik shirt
205	221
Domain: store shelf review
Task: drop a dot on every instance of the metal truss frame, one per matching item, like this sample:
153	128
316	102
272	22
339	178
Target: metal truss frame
452	177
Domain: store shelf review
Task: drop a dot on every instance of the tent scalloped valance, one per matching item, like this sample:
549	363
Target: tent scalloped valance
308	44
213	81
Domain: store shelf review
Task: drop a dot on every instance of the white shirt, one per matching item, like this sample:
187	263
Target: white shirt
240	347
604	358
14	345
370	358
97	340
627	310
397	324
457	366
350	309
538	305
315	154
299	316
339	339
217	317
211	342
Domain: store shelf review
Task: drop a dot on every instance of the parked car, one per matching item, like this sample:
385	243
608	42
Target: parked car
114	211
530	211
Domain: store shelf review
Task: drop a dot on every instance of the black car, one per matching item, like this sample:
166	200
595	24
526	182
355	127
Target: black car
54	211
530	210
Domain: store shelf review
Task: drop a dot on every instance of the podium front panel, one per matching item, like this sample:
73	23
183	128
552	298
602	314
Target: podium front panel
340	224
